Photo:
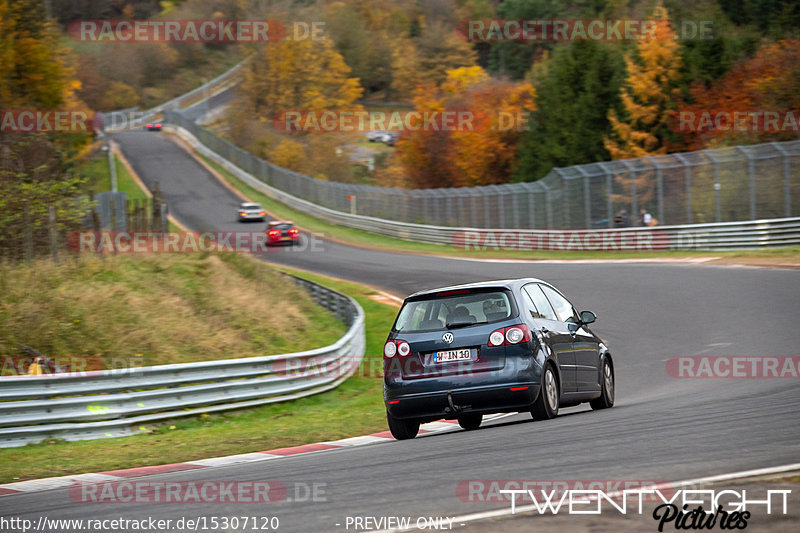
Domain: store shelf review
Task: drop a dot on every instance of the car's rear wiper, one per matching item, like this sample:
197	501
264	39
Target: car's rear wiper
452	325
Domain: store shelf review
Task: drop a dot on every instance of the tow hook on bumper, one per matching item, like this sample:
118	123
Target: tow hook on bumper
453	407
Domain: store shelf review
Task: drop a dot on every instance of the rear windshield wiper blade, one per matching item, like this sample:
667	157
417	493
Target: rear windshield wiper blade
453	325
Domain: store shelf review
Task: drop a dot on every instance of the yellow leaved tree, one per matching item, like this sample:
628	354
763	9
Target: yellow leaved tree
648	94
648	97
307	75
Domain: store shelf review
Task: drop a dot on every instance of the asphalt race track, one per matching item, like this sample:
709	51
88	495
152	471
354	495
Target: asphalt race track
661	428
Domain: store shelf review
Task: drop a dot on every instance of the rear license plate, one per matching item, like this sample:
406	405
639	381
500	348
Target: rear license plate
452	355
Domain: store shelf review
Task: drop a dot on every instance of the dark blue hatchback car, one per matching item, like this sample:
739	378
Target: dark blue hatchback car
491	347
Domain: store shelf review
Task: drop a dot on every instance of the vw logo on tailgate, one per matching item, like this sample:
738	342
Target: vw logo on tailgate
447	337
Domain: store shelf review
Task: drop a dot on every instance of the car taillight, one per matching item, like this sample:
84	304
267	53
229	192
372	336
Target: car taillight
243	214
400	348
497	338
389	349
403	348
517	334
510	335
262	213
158	125
294	231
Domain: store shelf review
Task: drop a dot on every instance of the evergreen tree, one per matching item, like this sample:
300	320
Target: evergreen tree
576	88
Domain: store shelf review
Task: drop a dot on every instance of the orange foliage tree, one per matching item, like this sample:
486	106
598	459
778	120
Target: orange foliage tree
768	81
480	151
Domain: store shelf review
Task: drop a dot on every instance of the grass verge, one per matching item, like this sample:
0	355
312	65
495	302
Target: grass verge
788	256
354	408
95	171
141	310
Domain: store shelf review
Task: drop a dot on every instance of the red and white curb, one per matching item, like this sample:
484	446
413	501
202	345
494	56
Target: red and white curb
36	485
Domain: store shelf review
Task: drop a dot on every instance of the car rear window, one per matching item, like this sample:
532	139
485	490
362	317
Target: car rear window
281	226
449	311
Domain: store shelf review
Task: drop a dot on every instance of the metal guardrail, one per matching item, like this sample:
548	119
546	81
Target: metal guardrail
130	118
113	403
716	236
730	184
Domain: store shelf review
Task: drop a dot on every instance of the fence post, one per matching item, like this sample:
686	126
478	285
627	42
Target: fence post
112	168
688	180
155	218
634	197
659	189
567	220
587	206
717	186
548	205
609	196
787	183
751	171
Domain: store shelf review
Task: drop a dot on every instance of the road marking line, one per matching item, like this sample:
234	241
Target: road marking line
663	260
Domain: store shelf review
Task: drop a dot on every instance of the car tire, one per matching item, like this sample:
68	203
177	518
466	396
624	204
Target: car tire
607	386
546	405
402	429
470	421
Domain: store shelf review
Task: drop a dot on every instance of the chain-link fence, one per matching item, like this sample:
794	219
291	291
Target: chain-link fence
722	185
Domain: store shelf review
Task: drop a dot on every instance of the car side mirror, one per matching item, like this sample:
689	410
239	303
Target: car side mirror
587	317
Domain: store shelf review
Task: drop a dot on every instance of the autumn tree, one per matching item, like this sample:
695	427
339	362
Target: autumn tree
648	100
768	81
36	72
648	94
35	68
441	49
480	153
305	74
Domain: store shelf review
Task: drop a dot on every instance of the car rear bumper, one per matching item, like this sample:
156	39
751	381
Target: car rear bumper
252	217
484	399
282	241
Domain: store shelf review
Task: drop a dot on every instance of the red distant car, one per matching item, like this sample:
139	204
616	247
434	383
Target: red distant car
282	232
153	127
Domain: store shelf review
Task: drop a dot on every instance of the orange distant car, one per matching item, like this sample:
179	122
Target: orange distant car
282	232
